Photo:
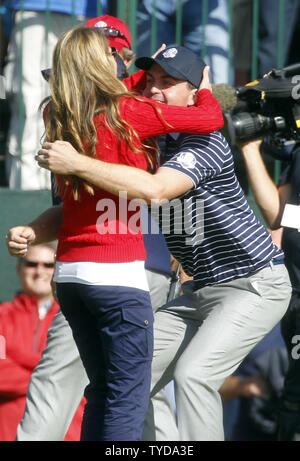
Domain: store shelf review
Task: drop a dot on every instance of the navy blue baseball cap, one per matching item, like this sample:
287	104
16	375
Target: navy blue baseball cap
177	61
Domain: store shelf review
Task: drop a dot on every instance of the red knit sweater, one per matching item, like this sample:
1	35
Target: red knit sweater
82	236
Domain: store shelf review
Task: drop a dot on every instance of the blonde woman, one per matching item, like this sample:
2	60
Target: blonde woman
101	282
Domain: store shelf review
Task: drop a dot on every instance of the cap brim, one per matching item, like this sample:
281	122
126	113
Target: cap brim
144	63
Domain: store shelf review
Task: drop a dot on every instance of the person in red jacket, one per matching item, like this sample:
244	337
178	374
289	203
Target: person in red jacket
24	323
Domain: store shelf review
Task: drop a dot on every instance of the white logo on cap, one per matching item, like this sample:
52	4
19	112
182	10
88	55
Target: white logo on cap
187	160
171	53
100	24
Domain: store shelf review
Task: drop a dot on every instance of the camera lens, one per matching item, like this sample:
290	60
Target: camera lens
247	126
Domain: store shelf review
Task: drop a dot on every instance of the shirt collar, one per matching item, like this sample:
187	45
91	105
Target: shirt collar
174	135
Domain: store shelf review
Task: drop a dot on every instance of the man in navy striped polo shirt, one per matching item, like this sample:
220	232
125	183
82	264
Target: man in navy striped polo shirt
240	287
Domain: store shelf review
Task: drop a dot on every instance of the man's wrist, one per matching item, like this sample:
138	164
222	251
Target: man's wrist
80	165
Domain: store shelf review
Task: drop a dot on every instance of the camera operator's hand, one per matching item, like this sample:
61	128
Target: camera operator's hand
269	198
250	147
60	157
18	239
205	82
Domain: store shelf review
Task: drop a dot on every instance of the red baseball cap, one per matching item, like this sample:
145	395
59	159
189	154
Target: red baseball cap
116	31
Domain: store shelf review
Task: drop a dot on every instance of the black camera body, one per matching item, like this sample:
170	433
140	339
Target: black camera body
269	106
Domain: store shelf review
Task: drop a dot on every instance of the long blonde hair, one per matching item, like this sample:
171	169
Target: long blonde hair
83	85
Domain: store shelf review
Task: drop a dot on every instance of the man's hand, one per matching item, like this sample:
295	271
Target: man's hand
255	386
205	83
60	157
245	386
18	239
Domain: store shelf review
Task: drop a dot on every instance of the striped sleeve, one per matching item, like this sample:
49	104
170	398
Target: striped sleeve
201	158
